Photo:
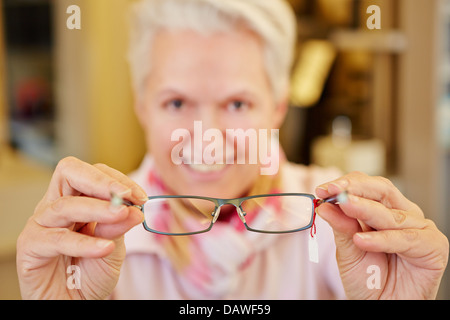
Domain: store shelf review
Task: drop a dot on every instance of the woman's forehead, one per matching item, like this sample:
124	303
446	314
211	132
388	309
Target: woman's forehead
186	57
185	47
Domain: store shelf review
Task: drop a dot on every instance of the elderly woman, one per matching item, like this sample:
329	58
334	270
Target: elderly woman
221	65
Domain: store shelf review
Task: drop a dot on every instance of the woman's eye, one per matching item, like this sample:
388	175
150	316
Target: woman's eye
176	104
237	106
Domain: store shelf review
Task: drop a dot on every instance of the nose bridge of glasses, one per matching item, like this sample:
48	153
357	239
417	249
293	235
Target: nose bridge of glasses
237	204
234	202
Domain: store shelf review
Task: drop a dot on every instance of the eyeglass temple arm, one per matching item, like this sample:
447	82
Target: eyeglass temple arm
117	200
340	198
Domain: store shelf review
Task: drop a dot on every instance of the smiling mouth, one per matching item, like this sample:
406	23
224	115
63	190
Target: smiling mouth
205	168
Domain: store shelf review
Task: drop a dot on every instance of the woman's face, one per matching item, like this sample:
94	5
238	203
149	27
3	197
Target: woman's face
200	86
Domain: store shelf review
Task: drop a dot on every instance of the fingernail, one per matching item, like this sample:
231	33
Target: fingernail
340	184
144	198
103	243
343	183
125	193
140	194
364	235
323	187
114	208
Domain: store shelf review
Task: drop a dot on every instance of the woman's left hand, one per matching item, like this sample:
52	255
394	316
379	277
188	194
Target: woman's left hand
386	249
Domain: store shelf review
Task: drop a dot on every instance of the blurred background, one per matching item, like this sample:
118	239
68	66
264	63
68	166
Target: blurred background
373	100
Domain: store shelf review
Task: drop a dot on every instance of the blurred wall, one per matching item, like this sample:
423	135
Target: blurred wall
96	120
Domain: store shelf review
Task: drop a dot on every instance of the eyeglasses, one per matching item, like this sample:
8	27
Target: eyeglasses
269	213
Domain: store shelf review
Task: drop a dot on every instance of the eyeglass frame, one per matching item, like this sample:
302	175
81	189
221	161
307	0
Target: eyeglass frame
237	202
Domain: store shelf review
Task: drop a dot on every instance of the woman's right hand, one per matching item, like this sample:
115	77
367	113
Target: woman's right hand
75	232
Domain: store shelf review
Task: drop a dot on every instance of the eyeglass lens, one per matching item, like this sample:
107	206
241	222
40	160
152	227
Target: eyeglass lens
178	215
278	213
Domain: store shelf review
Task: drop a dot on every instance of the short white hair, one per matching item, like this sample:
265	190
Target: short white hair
272	20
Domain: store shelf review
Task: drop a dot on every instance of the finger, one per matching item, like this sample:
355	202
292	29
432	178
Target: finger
344	228
74	177
377	216
137	192
374	188
65	211
113	231
53	242
409	243
338	220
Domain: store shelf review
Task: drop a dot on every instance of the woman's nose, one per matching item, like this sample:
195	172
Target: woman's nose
209	133
210	118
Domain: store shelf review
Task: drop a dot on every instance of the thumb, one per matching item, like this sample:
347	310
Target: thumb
344	228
